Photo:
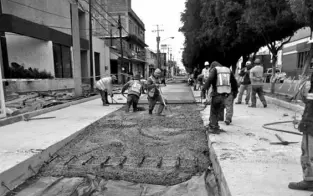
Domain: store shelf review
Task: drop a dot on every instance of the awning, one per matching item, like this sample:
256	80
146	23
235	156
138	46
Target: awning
137	60
116	56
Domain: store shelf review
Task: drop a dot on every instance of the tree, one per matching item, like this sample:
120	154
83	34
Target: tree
274	21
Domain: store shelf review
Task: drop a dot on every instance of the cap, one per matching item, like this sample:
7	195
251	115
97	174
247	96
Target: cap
157	71
206	63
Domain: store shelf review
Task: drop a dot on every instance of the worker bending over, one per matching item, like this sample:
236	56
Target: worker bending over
135	88
105	87
223	84
154	94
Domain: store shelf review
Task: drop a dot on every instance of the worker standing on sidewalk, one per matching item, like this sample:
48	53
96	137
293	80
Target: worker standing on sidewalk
154	95
135	88
105	87
223	84
206	72
306	127
256	77
245	83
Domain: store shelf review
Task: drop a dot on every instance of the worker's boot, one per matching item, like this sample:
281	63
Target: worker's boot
227	122
302	185
150	112
252	106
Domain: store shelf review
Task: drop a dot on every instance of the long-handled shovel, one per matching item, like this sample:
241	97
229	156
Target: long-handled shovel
165	106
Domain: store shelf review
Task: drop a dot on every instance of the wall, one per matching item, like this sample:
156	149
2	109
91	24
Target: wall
61	16
100	47
117	5
30	52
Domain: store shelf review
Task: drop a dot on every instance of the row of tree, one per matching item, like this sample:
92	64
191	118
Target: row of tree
226	30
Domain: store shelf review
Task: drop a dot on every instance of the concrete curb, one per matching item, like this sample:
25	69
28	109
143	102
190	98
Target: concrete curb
18	174
220	178
284	104
21	117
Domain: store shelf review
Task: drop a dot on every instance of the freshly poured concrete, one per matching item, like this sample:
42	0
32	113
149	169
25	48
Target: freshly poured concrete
251	166
22	140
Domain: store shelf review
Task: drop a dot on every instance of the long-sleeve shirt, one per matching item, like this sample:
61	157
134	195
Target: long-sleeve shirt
256	75
105	84
153	82
245	73
205	72
212	79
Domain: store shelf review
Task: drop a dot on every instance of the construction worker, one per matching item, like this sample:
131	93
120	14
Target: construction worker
245	83
306	127
105	87
223	84
256	77
154	94
135	88
206	72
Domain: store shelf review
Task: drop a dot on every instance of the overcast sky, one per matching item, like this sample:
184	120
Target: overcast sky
166	13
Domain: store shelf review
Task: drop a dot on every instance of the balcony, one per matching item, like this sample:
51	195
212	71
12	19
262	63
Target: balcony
134	38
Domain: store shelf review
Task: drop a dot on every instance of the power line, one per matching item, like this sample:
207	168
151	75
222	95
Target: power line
21	4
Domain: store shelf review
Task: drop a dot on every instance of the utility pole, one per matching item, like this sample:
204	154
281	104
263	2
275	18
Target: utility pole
158	39
111	35
93	79
120	28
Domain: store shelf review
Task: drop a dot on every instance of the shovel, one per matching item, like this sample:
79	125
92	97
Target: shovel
166	108
282	142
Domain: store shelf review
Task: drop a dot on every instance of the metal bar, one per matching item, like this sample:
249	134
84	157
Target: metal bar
31	169
160	162
5	186
142	161
178	162
72	158
52	159
42	118
91	158
123	161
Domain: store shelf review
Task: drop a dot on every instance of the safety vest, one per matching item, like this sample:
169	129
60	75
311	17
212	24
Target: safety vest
135	88
223	80
206	73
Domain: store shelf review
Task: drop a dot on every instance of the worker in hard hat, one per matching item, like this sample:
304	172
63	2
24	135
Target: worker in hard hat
154	94
135	88
223	84
256	77
105	87
206	72
245	83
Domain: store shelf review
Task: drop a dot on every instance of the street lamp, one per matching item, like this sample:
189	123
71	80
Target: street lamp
168	38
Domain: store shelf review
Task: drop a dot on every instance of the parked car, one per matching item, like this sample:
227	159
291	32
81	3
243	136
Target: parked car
279	76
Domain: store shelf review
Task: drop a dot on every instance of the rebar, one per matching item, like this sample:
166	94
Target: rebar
177	164
52	159
142	161
85	162
72	158
123	161
160	161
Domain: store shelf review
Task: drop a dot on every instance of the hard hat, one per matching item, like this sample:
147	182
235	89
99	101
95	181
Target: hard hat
248	63
257	61
113	77
157	71
206	63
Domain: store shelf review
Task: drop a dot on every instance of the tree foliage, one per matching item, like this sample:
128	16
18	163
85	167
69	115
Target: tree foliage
225	30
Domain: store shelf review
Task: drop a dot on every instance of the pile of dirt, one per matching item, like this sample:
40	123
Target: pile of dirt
138	147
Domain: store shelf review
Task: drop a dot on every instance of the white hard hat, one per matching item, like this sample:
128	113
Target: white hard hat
206	63
248	63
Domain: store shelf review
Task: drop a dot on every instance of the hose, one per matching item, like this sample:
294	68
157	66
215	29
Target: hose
280	130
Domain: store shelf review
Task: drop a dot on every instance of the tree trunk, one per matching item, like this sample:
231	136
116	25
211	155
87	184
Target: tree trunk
273	82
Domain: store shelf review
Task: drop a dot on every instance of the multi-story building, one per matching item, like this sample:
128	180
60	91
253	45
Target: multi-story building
133	39
51	36
294	53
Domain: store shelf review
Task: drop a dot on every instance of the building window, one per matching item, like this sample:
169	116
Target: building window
301	59
62	61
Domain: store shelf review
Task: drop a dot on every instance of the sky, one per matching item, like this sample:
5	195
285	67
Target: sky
166	13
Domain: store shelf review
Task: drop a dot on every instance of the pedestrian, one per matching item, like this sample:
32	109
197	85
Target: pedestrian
135	88
196	73
256	77
154	94
200	82
105	87
245	83
306	127
223	84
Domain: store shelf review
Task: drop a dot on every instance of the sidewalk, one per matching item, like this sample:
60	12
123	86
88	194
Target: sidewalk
21	141
250	165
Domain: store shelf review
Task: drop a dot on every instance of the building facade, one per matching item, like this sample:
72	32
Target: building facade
151	62
294	52
51	36
133	39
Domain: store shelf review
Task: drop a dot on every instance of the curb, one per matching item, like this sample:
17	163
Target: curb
19	173
284	104
21	117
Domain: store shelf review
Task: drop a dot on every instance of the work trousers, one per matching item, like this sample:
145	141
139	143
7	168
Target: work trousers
229	106
104	96
154	100
307	157
242	89
132	100
217	107
257	89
